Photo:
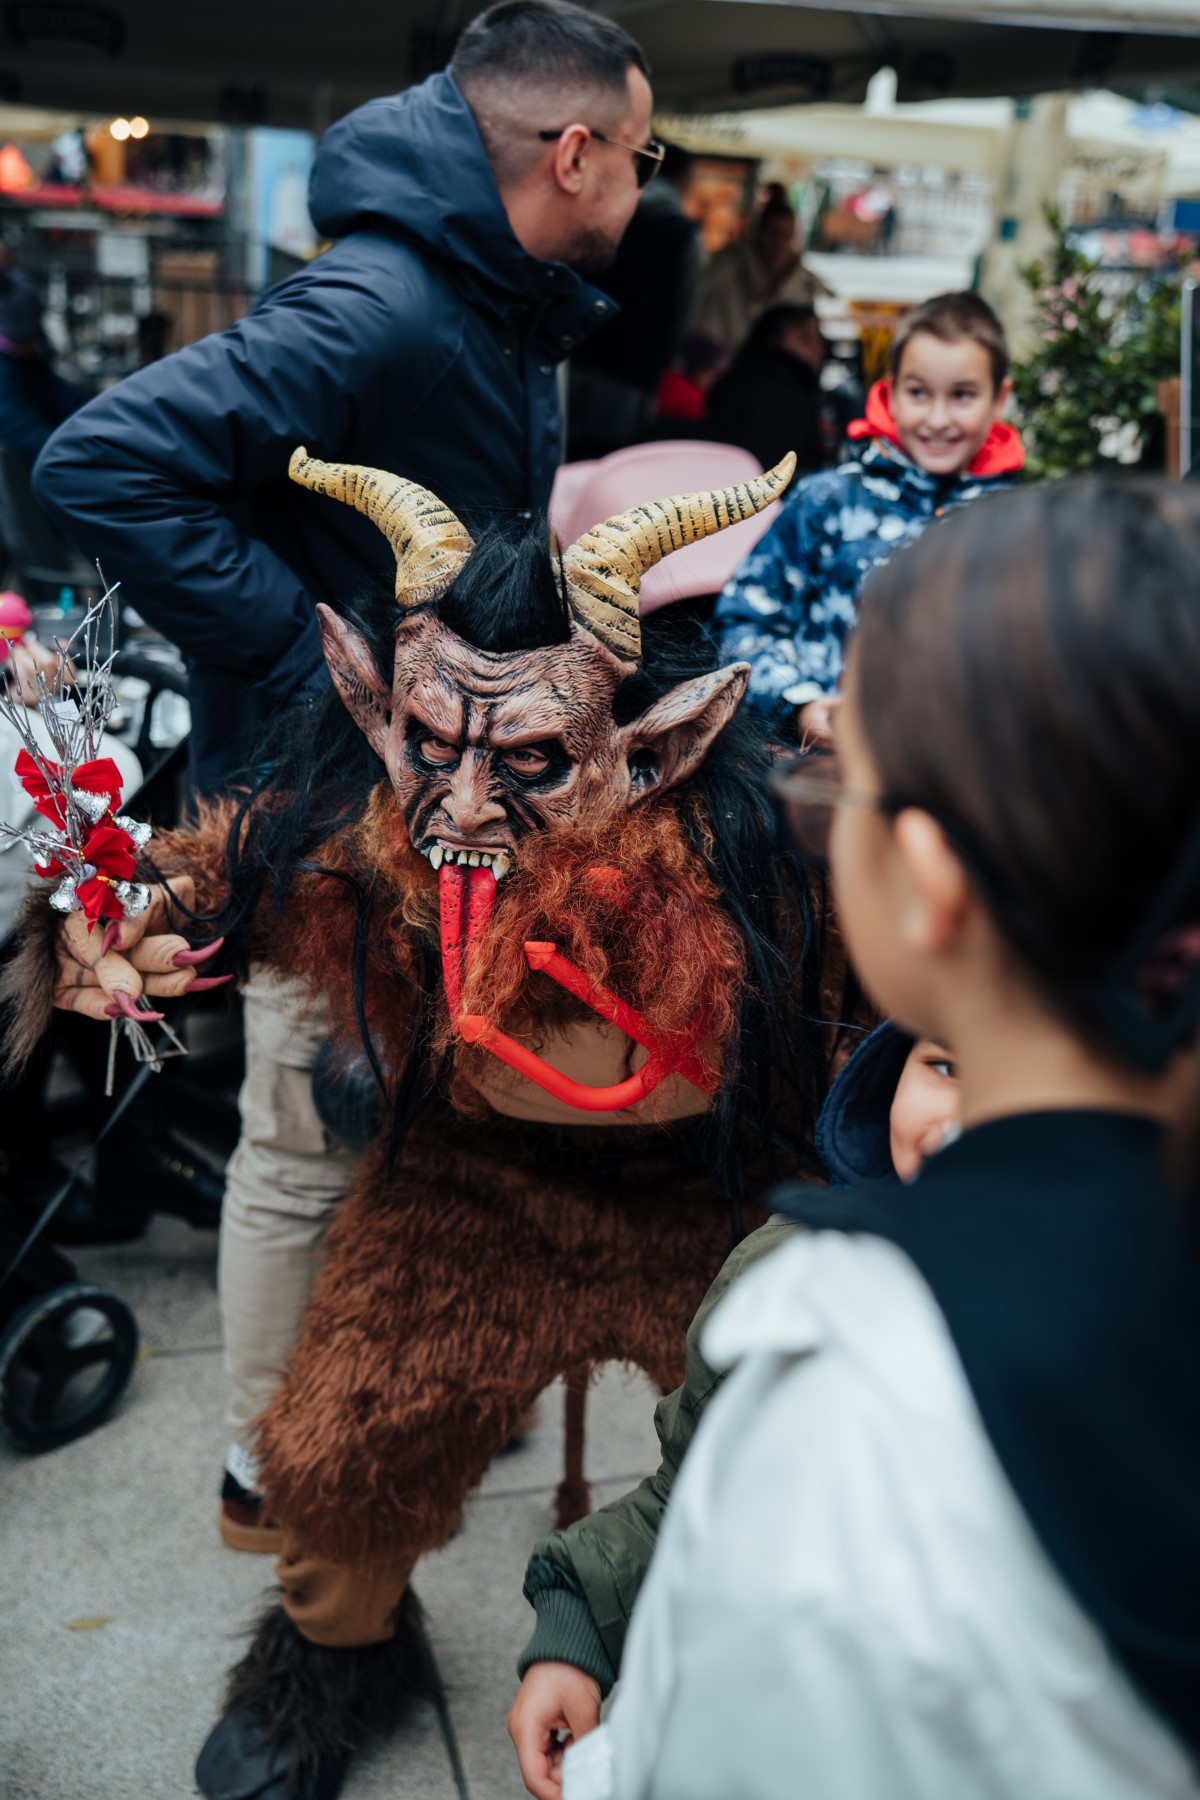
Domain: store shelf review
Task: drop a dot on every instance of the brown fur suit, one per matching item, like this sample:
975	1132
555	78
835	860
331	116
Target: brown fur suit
495	1255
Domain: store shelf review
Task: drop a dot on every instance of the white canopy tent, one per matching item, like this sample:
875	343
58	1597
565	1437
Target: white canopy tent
1145	152
301	62
818	133
712	54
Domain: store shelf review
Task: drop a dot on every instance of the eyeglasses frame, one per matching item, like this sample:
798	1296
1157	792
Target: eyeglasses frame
790	782
653	149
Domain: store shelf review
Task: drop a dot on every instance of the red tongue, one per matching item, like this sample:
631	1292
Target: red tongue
466	897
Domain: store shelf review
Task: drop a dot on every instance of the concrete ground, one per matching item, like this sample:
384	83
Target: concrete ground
120	1608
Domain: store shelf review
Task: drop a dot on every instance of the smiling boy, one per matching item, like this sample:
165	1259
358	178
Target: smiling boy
937	441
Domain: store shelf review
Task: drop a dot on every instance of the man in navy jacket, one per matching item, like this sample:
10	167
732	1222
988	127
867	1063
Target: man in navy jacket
468	213
425	342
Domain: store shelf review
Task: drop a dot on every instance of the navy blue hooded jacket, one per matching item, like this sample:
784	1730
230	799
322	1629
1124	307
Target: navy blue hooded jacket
424	342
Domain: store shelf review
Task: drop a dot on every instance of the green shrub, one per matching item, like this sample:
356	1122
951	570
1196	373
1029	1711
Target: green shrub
1086	399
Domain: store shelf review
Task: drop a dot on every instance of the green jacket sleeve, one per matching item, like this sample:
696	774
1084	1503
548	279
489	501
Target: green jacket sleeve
583	1582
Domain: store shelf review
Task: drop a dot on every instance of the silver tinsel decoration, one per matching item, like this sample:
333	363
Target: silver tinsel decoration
75	725
64	899
137	829
134	897
92	806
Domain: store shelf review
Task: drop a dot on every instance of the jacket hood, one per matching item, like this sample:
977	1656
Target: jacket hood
854	1138
415	161
1002	454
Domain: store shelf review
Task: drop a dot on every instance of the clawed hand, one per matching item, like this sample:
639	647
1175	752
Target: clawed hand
103	973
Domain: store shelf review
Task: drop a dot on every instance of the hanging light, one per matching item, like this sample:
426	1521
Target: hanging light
120	129
139	127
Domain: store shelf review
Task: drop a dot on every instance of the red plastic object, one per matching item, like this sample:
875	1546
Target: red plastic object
476	1030
467	898
550	961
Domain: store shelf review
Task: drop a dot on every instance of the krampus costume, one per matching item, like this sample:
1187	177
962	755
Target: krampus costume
531	863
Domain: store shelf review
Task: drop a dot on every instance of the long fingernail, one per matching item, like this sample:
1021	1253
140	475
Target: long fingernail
140	1015
204	982
112	933
187	959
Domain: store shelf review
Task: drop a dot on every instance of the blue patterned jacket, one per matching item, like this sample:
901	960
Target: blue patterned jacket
790	607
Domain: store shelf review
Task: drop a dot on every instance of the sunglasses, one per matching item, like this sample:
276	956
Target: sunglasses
651	153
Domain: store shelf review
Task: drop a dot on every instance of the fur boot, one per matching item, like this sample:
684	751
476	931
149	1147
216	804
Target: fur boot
296	1712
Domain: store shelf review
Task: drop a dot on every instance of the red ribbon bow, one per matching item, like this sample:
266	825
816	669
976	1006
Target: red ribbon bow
111	853
99	777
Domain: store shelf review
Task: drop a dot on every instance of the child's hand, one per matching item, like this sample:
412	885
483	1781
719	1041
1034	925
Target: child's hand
815	721
553	1698
28	660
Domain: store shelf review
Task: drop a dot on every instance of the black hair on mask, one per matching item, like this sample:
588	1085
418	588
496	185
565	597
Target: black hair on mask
509	595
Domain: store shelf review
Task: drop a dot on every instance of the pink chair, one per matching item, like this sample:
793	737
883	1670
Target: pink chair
569	483
586	493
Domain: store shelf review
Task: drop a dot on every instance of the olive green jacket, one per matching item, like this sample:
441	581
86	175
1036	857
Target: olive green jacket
583	1581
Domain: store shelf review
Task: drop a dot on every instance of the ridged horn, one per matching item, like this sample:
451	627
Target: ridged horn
430	544
604	567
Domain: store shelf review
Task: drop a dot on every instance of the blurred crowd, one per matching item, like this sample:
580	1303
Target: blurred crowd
727	348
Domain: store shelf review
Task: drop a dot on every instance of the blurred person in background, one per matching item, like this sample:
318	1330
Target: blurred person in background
614	376
936	440
154	333
765	269
684	389
34	399
470	212
770	399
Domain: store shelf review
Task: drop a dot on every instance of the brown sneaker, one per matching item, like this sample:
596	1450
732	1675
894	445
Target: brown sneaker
241	1521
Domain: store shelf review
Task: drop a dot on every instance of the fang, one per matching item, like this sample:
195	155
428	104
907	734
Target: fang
501	864
435	856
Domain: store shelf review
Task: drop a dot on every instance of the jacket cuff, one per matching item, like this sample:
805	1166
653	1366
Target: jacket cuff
565	1632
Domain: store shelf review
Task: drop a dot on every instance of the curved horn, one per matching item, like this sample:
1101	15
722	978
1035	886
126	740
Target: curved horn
431	545
604	567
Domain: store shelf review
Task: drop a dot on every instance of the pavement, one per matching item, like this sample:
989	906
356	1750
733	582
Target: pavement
120	1609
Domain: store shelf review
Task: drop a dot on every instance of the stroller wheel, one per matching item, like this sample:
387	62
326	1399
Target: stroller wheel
65	1357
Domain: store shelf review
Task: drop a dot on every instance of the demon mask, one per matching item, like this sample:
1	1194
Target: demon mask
484	746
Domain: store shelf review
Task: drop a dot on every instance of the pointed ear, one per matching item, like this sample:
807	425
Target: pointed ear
672	737
365	694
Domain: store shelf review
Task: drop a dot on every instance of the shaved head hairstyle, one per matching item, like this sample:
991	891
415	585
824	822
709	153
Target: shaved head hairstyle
548	53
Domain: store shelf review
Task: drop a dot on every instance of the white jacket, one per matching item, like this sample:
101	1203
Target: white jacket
846	1602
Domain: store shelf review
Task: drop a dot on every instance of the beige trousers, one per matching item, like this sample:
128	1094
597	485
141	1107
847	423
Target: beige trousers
283	1183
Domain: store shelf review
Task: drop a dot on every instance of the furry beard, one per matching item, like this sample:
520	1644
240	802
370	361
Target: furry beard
619	899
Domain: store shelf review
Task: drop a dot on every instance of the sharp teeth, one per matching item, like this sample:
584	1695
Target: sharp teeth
435	856
473	859
501	864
